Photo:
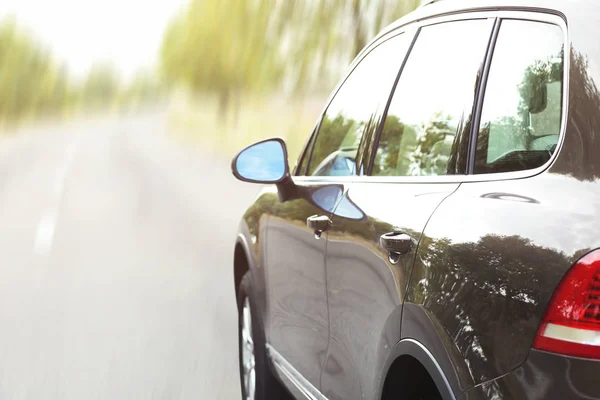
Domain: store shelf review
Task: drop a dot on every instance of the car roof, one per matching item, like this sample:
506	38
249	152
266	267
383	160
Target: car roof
430	8
427	2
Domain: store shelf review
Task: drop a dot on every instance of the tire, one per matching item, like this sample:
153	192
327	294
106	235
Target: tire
266	386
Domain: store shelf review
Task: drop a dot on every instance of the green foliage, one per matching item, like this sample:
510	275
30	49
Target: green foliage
33	83
30	80
101	85
222	46
233	46
144	86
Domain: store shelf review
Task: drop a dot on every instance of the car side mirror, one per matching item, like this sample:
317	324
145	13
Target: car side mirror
262	162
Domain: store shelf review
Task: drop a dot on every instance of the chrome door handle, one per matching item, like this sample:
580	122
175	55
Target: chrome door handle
319	224
396	243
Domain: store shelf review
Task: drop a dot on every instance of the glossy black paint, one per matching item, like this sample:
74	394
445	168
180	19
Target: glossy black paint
505	245
365	287
295	302
543	376
490	253
488	262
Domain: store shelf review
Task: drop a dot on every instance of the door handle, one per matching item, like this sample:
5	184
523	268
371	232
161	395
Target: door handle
396	243
319	224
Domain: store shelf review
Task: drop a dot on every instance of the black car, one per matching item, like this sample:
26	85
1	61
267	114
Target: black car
454	252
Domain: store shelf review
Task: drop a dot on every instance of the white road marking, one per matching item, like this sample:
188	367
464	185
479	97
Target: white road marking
44	236
59	181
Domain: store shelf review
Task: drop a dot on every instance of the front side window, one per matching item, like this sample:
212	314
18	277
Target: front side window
433	101
522	109
356	109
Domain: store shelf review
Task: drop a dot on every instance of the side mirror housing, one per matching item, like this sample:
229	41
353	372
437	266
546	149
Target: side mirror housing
262	162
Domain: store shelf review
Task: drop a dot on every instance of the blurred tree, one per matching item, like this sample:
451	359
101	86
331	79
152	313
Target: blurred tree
322	36
232	46
101	85
222	46
31	81
371	16
144	87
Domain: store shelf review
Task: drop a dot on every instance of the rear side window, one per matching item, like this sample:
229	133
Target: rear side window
433	100
522	109
355	110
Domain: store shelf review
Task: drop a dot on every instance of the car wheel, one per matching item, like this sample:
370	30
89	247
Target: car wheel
257	380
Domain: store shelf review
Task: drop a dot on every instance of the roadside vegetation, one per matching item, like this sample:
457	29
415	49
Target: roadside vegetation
251	69
36	85
232	71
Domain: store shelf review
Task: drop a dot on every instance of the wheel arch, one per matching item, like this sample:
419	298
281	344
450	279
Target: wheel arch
241	261
413	348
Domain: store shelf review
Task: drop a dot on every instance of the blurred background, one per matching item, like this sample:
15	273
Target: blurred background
229	71
118	211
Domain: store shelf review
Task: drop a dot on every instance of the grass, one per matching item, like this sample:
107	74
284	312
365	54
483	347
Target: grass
195	121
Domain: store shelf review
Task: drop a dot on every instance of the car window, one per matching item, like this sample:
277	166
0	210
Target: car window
356	109
522	109
432	100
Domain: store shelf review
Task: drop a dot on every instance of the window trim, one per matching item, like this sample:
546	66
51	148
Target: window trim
524	14
478	104
306	151
375	143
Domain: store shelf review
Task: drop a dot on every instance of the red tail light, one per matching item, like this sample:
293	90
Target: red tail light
571	325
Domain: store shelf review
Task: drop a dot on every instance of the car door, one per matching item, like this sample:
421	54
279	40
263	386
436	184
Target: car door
298	319
494	251
418	161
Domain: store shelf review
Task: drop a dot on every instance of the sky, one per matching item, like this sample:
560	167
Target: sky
127	33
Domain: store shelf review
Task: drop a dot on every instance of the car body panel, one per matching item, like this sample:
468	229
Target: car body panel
297	321
366	290
251	238
488	262
415	349
543	376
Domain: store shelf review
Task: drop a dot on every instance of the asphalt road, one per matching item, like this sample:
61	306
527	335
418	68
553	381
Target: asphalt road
116	248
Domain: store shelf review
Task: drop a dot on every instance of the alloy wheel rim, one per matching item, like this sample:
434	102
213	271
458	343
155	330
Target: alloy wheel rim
248	360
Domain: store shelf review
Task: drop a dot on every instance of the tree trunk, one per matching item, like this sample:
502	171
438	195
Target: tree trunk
223	105
236	109
358	33
381	12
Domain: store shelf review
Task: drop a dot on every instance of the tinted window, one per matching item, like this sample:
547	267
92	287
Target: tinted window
433	99
521	116
356	109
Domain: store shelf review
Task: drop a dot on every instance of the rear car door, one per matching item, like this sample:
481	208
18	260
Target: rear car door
298	323
494	251
418	160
